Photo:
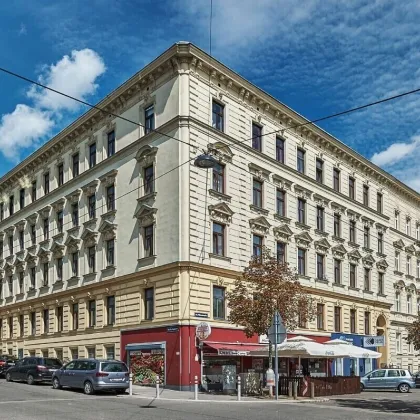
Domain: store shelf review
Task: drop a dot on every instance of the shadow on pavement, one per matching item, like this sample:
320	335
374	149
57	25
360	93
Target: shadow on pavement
383	404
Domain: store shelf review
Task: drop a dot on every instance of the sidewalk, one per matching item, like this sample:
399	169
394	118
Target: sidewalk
146	392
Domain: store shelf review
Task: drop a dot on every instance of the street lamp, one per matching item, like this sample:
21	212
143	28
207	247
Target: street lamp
205	161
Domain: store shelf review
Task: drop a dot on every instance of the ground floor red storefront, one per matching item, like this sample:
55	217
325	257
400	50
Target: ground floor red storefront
177	356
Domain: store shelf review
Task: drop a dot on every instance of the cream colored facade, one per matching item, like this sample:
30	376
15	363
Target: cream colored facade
184	208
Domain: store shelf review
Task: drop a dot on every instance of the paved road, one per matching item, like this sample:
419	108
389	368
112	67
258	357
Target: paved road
40	402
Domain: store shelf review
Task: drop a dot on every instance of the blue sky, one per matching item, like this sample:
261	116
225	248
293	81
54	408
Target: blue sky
317	56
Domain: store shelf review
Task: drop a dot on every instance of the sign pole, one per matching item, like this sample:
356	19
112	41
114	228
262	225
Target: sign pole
276	355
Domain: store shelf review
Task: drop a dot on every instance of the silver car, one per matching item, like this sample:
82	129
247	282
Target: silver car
93	375
400	379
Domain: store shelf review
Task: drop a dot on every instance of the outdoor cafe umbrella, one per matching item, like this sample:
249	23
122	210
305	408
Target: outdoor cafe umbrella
351	350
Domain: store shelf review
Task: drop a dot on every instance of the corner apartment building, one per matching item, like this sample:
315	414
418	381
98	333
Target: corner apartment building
112	243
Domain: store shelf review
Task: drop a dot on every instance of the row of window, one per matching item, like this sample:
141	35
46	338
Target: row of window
397	225
408	265
409	307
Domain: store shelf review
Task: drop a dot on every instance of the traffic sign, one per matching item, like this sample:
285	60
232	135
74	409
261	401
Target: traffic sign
281	330
374	341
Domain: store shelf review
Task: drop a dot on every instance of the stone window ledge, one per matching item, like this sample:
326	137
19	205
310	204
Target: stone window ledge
220	195
220	257
259	210
321	281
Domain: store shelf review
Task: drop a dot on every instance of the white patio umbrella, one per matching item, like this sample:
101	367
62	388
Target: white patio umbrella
352	351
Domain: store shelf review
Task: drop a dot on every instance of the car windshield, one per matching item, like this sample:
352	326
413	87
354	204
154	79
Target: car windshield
114	367
52	362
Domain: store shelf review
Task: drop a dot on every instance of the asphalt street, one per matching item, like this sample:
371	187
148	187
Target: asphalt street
41	402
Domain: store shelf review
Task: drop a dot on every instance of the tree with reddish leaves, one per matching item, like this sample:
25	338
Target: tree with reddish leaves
267	286
413	333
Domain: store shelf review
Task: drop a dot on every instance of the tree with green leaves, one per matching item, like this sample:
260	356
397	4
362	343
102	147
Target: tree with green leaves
413	333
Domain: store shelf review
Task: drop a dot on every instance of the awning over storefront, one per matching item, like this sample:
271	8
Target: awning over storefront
233	349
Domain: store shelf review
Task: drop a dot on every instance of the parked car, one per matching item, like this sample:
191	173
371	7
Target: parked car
93	375
33	369
400	379
6	361
416	378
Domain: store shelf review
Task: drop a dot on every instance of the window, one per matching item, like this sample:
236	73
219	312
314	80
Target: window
11	205
352	187
320	218
381	284
337	271
366	277
397	219
256	137
33	323
92	206
10	283
91	352
22	198
353	321
46	228
1	249
281	252
75	214
301	210
301	161
149	180
407	227
11	245
1	211
397	302
60	221
366	237
75	165
92	313
337	318
92	259
219	178
46	183
59	315
45	274
320	316
110	252
257	245
33	234
353	276
75	264
92	155
21	240
280	149
408	265
281	203
320	266
418	269
257	193
110	310
319	170
32	277
397	261
218	116
148	241
365	195
33	191
301	261
380	243
10	327
46	319
110	198
111	143
399	342
21	282
149	307
75	315
336	179
218	302
352	231
59	264
60	170
367	323
110	355
337	225
379	202
218	239
409	304
149	119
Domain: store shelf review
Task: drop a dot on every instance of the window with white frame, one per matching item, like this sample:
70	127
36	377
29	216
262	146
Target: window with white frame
409	304
410	350
408	226
397	219
397	261
408	265
418	269
417	231
399	342
397	302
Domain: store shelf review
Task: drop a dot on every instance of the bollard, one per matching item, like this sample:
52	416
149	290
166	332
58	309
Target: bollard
295	389
195	388
312	390
239	388
130	383
157	386
290	389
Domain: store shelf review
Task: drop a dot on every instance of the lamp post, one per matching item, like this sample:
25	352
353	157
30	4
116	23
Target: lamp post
205	161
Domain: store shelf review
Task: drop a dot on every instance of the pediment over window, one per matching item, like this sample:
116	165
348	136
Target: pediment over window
20	226
368	261
367	222
399	244
20	264
339	251
146	215
259	225
220	151
259	172
381	228
283	233
45	212
89	237
410	249
353	215
108	230
1	235
44	255
91	188
411	289
59	204
221	212
321	201
303	239
282	183
74	196
399	285
322	246
354	256
303	192
72	243
9	268
146	156
57	249
10	230
382	265
109	179
338	208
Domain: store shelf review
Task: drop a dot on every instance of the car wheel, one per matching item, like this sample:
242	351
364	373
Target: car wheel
362	387
88	388
404	388
8	377
30	379
56	383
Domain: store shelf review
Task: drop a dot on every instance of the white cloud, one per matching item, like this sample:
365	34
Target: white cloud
22	30
74	75
27	125
395	152
21	129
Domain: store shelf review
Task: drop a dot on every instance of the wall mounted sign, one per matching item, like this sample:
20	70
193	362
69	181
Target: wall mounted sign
201	315
172	329
203	331
222	352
